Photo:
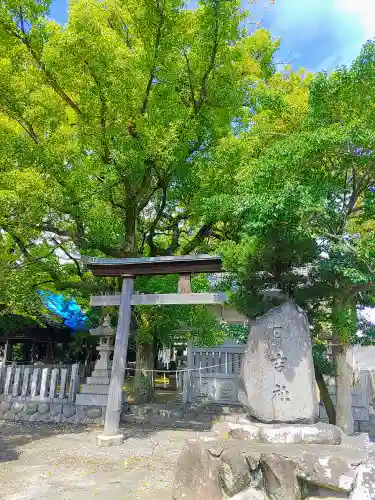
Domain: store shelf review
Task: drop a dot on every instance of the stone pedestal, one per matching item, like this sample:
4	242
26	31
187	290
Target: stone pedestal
95	391
278	452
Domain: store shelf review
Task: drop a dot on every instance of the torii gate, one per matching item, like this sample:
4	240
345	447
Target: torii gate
129	269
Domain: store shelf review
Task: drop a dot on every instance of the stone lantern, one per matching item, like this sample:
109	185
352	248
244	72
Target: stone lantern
95	391
106	333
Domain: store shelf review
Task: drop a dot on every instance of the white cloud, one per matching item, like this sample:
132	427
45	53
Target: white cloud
363	11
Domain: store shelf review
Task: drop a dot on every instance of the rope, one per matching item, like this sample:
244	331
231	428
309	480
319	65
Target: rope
177	371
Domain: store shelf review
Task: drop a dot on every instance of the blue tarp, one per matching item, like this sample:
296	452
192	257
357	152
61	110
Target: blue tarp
67	309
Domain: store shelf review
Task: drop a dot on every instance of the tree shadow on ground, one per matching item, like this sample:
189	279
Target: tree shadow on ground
146	430
14	435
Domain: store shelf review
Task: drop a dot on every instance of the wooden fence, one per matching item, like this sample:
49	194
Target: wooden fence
28	382
213	373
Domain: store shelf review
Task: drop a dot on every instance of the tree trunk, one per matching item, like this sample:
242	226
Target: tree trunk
49	353
344	375
324	394
143	387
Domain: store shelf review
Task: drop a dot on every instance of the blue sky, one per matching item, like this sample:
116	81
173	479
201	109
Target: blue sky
315	34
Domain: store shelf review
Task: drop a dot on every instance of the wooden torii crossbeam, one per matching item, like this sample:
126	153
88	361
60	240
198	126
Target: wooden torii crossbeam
129	269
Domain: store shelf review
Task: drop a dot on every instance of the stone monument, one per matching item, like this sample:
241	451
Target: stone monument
278	452
95	391
277	372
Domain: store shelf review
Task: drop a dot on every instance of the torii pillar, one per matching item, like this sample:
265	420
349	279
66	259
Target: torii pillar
129	269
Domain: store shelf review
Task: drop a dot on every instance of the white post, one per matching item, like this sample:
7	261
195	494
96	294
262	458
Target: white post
185	396
25	383
64	376
2	375
53	384
8	379
34	382
189	355
17	380
43	384
74	383
112	418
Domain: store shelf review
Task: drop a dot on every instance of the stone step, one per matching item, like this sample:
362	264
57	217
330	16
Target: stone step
98	380
95	389
92	399
101	373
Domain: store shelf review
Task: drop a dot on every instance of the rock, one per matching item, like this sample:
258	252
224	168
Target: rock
140	410
234	472
250	494
277	368
94	412
280	477
243	431
364	486
37	417
5	406
17	407
23	417
221	430
253	460
360	441
69	410
321	434
30	407
8	416
329	471
87	421
1	416
197	475
322	493
55	409
257	479
43	408
80	414
56	418
296	434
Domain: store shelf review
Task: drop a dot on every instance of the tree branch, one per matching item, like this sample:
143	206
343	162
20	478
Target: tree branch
25	39
192	94
203	232
215	46
70	256
24	250
28	128
102	116
156	50
154	224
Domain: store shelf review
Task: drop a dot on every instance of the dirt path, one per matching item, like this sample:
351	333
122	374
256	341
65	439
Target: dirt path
64	463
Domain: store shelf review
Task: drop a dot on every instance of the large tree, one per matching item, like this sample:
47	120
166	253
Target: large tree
306	202
107	126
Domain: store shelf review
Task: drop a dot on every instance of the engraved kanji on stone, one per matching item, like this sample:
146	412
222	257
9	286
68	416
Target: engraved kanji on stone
277	331
281	392
279	361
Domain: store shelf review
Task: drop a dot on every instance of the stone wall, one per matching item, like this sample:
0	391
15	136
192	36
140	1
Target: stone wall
361	400
13	409
41	411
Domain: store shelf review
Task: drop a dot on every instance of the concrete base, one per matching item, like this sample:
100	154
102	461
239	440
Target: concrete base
98	380
101	373
250	430
95	389
110	440
92	399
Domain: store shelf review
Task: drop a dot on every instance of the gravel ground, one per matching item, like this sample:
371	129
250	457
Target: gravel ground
60	462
